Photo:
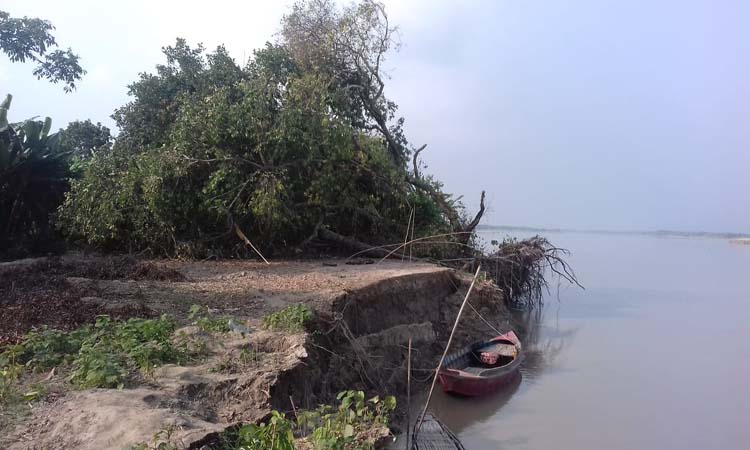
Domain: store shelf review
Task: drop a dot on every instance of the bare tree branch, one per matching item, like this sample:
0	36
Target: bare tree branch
473	224
415	161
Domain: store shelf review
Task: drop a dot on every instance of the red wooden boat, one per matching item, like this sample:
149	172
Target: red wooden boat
482	367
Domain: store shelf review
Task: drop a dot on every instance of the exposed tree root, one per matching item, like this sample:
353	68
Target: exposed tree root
521	268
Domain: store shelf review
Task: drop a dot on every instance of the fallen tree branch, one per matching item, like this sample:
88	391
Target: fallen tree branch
440	200
431	242
363	248
313	235
477	218
415	161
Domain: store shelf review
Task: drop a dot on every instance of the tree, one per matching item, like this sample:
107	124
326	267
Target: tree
83	138
209	147
348	47
299	143
31	39
147	120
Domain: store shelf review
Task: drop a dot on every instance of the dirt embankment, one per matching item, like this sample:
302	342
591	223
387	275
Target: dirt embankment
364	317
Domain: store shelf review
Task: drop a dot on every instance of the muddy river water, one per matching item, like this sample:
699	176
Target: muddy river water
654	354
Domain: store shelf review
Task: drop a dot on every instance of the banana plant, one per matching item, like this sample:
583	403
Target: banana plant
33	175
5	134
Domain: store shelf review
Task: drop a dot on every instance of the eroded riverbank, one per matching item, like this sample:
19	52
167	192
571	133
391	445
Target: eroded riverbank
363	317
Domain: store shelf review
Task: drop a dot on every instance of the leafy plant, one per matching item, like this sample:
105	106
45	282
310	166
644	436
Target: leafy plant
100	355
8	391
339	428
203	319
347	426
290	319
276	434
93	367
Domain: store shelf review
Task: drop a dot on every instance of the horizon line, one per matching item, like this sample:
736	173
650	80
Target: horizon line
606	231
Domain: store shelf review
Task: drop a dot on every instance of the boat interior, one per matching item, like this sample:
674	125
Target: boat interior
474	359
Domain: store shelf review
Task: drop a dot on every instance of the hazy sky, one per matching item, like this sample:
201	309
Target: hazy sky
585	114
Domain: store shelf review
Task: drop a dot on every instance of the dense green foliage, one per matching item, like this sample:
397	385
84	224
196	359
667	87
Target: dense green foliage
82	138
34	171
25	38
277	148
275	434
299	140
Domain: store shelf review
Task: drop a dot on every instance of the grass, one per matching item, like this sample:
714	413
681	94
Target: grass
290	319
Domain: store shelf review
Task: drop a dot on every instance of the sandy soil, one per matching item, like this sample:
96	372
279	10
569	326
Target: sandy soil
68	292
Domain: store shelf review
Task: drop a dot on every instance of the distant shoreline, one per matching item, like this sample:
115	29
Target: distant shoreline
736	238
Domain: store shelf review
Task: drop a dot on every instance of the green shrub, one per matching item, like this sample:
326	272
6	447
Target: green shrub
339	428
276	434
290	319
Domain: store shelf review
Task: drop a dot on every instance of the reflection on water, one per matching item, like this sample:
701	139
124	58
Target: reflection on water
654	354
461	412
543	340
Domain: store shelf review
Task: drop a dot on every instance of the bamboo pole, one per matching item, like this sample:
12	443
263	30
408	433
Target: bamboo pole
408	227
413	221
445	352
242	236
408	396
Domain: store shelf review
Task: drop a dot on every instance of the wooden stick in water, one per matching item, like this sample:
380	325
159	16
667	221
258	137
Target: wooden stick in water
408	396
445	352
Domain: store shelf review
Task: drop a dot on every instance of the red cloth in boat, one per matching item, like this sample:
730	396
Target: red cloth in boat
491	354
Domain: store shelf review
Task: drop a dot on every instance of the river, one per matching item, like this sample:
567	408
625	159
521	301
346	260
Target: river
653	354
